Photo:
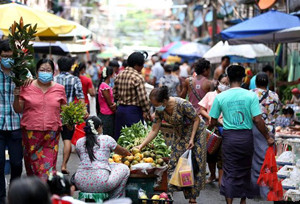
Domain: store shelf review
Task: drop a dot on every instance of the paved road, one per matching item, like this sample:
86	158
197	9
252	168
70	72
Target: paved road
210	195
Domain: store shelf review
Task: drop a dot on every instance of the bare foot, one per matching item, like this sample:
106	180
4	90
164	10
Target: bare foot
192	200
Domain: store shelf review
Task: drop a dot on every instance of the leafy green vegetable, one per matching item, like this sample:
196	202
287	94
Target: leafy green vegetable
73	113
135	135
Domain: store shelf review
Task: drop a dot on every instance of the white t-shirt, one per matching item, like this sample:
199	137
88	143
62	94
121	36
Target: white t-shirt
184	70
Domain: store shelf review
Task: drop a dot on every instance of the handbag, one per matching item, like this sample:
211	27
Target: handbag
213	141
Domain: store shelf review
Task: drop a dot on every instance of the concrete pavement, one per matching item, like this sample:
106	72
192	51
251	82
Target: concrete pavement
210	195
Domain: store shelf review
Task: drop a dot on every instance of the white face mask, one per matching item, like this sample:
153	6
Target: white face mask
223	87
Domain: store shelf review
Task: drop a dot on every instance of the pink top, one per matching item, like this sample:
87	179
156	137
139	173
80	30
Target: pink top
42	110
104	109
198	87
208	100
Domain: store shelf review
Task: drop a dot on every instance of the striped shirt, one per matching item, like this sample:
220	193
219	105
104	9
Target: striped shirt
9	119
130	89
72	84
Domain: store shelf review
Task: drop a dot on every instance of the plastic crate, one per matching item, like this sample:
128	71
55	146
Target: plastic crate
137	181
150	201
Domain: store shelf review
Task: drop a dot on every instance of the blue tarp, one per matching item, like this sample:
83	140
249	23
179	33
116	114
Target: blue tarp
262	24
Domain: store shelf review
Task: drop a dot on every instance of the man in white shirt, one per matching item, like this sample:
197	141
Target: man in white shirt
185	70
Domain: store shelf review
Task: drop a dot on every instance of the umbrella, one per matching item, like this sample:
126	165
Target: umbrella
47	24
59	48
78	34
283	36
239	53
262	24
1	34
191	50
172	45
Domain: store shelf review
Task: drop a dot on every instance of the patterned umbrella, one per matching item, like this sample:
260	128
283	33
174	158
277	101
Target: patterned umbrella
172	45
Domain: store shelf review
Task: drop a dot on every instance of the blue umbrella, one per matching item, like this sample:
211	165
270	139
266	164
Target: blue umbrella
262	24
190	50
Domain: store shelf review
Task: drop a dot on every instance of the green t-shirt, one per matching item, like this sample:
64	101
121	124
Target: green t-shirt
238	107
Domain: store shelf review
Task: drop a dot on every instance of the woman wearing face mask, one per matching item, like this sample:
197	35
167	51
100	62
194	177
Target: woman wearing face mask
41	104
205	106
189	134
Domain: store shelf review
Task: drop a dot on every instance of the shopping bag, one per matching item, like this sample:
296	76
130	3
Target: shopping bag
92	106
268	176
183	175
213	141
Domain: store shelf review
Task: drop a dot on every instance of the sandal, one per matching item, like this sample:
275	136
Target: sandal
65	171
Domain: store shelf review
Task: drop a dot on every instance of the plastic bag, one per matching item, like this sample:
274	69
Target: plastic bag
268	176
142	194
183	176
143	167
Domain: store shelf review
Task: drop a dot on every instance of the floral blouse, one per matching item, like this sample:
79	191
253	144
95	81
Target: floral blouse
269	107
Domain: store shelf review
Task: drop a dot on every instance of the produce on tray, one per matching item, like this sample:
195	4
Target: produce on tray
154	153
156	198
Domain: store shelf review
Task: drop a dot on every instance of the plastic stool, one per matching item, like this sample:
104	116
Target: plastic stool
93	197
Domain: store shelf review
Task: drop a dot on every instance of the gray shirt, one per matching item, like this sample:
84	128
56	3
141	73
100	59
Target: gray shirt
172	82
157	72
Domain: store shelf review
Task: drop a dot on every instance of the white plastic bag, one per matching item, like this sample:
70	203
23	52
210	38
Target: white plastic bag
143	167
92	100
183	175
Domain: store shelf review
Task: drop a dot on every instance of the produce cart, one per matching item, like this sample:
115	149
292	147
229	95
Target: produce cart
148	167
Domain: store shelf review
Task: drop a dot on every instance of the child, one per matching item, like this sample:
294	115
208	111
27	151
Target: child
60	186
286	119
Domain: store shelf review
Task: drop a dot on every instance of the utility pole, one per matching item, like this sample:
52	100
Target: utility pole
214	22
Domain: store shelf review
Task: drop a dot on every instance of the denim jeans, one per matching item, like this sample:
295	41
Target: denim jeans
13	140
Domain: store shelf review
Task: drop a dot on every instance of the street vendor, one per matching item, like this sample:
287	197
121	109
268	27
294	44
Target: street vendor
296	96
95	174
189	134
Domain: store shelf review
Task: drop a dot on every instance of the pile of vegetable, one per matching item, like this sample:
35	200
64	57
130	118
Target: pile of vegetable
153	153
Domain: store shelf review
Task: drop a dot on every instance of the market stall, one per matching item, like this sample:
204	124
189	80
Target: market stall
288	161
148	167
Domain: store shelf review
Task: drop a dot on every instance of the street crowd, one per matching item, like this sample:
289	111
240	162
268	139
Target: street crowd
183	96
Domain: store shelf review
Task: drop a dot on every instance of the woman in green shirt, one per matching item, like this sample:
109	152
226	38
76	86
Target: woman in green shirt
240	108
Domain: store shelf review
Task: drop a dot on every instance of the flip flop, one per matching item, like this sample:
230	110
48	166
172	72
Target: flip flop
208	181
65	171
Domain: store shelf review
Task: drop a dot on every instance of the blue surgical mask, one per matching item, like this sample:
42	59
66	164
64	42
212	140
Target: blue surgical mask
160	108
45	77
6	62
